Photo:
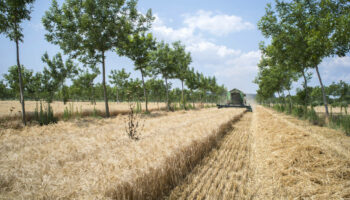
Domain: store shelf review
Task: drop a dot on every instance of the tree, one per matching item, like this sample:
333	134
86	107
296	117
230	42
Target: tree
307	32
88	29
56	73
192	82
138	48
163	63
4	91
183	60
156	89
34	87
12	14
83	86
13	82
119	78
134	89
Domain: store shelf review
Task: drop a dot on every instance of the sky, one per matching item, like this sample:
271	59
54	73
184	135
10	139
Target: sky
222	37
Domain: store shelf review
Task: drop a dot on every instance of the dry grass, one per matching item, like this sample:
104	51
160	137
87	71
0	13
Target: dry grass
292	161
10	111
336	110
95	159
224	174
58	107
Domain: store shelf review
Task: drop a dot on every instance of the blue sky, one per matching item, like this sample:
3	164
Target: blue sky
221	35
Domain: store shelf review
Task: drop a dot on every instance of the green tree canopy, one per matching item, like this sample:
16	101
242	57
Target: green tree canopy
12	14
87	29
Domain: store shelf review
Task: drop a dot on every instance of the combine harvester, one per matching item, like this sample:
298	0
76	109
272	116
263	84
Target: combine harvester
236	99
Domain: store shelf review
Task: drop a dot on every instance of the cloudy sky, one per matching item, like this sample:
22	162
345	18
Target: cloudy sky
222	37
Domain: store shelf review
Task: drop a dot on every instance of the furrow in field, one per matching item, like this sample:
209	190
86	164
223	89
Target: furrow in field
223	174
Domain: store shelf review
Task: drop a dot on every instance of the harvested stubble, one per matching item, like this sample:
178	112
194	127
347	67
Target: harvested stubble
224	174
291	161
95	159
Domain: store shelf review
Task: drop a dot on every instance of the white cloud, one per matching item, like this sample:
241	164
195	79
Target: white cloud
219	24
335	69
233	68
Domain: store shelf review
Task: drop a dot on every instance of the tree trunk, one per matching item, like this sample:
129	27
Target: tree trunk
305	88
290	101
167	94
20	85
104	83
192	99
117	94
144	90
323	94
183	100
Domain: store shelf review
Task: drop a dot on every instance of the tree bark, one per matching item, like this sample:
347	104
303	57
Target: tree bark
305	88
20	85
144	90
290	101
117	94
323	94
104	83
167	94
183	100
192	99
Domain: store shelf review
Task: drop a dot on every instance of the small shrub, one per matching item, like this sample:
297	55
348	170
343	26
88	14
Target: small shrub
298	111
132	126
189	106
44	116
94	113
314	118
341	121
138	108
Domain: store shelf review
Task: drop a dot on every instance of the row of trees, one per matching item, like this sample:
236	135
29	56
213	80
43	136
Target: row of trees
302	34
85	31
338	95
49	86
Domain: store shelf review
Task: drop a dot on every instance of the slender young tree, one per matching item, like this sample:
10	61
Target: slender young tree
87	29
156	89
83	85
56	73
183	60
163	63
192	83
12	14
138	48
119	78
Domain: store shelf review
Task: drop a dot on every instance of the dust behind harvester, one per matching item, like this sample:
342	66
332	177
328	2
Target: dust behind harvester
236	98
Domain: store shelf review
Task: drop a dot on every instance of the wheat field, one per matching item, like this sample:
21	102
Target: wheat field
11	108
199	154
94	159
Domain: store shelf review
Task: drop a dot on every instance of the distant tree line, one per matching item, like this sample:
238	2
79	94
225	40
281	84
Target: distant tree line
122	88
338	95
85	30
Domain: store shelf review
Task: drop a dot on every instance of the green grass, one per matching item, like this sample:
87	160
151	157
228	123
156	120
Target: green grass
341	121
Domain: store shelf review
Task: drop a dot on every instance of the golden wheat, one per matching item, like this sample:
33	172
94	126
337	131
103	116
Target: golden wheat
95	159
10	108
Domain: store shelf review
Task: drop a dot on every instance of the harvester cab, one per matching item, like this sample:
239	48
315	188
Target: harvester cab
236	99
